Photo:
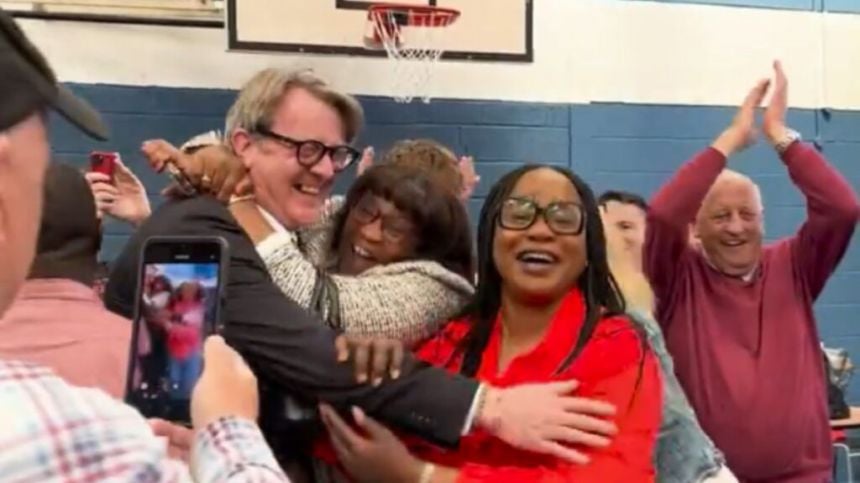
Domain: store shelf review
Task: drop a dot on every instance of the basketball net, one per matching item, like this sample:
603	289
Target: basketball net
412	41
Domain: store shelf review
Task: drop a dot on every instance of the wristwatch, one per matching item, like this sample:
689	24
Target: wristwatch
786	140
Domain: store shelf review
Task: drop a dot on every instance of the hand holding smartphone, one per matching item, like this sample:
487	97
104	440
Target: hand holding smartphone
178	303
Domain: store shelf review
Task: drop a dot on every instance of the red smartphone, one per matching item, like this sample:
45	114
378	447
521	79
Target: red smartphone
103	162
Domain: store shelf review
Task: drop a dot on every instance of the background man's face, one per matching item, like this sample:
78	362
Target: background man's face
24	155
730	227
628	220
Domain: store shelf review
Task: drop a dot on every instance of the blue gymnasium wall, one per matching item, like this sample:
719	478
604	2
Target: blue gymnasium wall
623	146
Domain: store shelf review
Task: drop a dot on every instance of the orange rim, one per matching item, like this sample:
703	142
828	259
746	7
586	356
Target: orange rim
413	15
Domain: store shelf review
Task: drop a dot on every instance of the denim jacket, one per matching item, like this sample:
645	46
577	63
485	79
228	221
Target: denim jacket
684	454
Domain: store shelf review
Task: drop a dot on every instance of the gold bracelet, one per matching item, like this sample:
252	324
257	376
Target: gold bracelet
427	473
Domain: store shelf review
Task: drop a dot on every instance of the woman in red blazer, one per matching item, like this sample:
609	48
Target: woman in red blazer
546	309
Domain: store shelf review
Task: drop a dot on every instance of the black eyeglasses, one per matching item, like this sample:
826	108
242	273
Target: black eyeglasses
562	217
394	229
310	152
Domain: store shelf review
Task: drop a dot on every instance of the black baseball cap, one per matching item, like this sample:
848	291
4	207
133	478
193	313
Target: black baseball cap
28	84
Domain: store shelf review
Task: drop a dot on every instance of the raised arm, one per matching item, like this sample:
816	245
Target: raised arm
832	209
670	214
831	215
675	205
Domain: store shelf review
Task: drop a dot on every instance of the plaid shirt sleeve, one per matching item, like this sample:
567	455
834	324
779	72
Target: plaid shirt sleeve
52	431
232	449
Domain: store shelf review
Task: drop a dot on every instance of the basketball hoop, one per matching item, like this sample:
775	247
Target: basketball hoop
411	36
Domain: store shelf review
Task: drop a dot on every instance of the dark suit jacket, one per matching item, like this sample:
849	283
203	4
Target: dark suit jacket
286	345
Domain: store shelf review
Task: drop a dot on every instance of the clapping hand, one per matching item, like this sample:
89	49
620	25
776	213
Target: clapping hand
742	132
773	123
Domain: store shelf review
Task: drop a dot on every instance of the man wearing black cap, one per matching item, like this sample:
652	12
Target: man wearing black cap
56	432
57	319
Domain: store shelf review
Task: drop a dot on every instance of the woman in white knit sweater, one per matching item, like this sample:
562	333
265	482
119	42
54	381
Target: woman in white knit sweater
403	297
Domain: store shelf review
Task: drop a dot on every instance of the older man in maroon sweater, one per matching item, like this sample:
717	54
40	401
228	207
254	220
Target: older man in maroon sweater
737	316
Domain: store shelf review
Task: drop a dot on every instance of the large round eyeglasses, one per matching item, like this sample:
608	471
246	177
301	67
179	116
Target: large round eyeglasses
562	217
310	152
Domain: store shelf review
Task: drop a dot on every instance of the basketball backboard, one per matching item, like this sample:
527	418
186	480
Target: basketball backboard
487	30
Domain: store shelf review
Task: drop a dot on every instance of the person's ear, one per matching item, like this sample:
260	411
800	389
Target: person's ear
695	235
241	142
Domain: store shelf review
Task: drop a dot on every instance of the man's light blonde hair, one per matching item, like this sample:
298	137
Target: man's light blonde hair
260	97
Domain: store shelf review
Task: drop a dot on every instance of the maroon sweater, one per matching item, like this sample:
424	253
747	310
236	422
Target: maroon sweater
747	353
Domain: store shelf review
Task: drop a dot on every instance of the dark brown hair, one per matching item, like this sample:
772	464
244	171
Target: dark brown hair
441	224
624	197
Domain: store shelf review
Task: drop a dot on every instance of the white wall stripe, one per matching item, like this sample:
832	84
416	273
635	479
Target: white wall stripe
585	50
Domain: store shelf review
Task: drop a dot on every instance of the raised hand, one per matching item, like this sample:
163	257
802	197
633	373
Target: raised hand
159	153
546	418
773	123
124	198
162	155
211	169
742	131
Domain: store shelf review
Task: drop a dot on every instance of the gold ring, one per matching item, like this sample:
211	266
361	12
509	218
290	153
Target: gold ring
206	180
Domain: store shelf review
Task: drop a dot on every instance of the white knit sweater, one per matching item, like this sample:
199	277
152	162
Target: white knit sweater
406	300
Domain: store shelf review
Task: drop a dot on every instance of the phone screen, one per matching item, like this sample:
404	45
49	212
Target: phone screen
177	308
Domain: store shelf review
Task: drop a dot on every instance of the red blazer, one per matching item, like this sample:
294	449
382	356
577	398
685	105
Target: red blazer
614	366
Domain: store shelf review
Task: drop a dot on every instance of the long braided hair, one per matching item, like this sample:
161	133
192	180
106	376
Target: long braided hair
601	293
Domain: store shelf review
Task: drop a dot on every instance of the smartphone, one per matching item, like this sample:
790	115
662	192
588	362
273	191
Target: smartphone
103	162
177	305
